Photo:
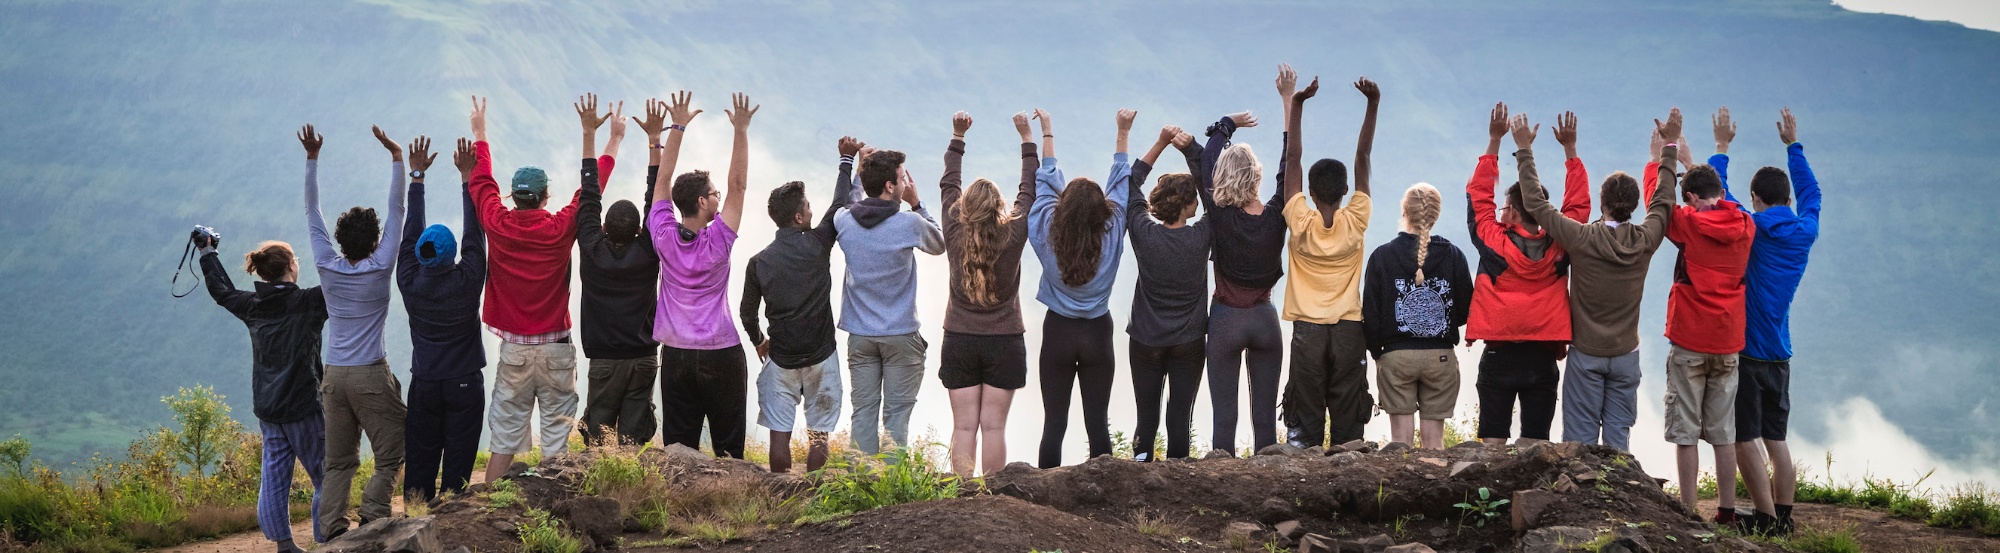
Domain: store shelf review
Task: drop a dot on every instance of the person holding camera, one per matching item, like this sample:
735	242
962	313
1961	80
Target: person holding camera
284	322
360	395
447	398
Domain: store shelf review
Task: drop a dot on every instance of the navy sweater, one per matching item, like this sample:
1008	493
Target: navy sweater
443	300
621	283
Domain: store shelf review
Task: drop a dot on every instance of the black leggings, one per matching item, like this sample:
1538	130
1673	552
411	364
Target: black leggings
1076	350
1240	339
1154	370
1526	370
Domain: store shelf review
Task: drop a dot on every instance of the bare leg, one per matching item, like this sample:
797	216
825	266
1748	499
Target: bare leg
1525	442
964	429
496	466
781	451
1433	433
994	403
1725	475
1750	456
1402	428
1688	459
815	450
1784	474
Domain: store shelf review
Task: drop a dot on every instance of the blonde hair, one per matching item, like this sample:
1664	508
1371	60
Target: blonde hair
1421	204
270	261
1237	174
985	233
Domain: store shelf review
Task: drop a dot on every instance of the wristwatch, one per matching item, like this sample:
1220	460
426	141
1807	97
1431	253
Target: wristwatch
417	174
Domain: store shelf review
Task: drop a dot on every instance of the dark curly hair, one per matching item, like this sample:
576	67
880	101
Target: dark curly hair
357	231
1171	196
1327	180
1082	218
621	223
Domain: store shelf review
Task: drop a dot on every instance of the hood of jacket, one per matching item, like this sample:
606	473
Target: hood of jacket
872	211
1725	223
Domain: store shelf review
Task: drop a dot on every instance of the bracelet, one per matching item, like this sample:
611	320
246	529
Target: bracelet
1047	135
659	146
677	127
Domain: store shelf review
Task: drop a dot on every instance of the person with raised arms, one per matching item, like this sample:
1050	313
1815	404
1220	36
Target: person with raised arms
1520	299
1168	331
1419	294
621	278
703	372
1249	247
984	359
358	392
1079	243
801	358
447	398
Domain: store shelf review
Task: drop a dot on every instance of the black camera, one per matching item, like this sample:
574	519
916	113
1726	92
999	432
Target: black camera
204	236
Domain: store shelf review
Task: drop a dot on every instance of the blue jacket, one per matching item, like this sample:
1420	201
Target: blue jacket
1777	258
1091	300
443	300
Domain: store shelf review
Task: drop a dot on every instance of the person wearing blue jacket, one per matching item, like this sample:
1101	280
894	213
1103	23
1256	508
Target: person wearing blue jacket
447	398
1786	230
1078	241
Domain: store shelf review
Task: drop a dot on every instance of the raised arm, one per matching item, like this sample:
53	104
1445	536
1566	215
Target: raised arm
1481	213
472	242
216	278
590	213
1025	195
392	229
1135	202
1662	203
843	189
1804	185
739	161
1576	179
1048	187
951	184
654	125
1152	156
322	243
1048	134
484	190
1218	140
586	112
1117	189
1366	145
1533	197
413	218
670	153
1291	171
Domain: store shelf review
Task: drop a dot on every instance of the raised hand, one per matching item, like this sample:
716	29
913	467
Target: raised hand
1788	128
1566	132
1169	133
1670	130
617	118
866	151
960	122
1524	136
1497	123
1182	139
1125	117
849	146
586	112
1021	125
655	122
678	108
1048	134
1307	93
1288	81
1048	127
740	116
1725	129
1368	89
395	150
465	159
1243	119
420	153
311	140
478	119
907	188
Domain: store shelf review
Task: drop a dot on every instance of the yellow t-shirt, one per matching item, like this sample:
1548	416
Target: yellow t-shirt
1324	283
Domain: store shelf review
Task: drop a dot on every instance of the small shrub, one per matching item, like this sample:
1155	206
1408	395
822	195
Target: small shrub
1158	526
1969	507
1811	540
503	494
543	534
1482	510
902	475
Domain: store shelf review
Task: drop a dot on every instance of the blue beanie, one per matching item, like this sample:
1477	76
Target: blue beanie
441	242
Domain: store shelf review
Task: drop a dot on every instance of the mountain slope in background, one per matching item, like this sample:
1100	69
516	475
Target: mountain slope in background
126	123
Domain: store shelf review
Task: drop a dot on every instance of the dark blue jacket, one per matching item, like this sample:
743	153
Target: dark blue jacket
443	300
285	323
1777	258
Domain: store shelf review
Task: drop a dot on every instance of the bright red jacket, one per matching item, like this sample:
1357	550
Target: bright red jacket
1516	297
528	255
1705	310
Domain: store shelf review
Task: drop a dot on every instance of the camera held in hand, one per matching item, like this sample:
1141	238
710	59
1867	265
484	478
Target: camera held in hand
200	239
205	237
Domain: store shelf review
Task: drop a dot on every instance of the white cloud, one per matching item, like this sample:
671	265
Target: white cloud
1977	14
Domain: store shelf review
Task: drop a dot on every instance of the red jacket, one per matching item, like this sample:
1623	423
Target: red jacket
1705	309
1519	298
528	254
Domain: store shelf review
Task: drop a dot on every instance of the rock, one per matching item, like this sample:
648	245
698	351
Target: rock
1318	543
1466	469
1586	478
1565	484
1394	447
1569	449
1247	532
1283	449
1217	454
459	549
505	527
1378	543
1291	530
1316	451
1275	510
388	535
678	454
1555	538
1358	446
1469	444
1410	548
517	470
1635	541
1346	457
1527	507
1439	463
1740	544
595	519
1631	545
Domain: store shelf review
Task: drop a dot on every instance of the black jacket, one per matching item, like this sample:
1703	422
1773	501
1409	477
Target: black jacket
1397	313
285	323
443	299
621	284
794	275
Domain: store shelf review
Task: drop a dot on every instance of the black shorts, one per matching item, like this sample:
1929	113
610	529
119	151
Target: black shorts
970	360
1763	399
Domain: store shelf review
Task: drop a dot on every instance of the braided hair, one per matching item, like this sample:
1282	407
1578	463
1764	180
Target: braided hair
1421	204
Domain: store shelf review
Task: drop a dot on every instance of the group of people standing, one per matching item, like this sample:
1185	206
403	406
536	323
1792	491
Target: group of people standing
1550	287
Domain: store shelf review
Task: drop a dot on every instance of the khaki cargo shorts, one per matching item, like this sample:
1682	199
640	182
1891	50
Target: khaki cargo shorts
1701	397
1418	381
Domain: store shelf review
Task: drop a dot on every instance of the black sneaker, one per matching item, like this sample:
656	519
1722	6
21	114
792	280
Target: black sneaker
1758	524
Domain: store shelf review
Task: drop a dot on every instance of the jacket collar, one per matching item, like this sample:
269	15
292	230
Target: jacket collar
268	289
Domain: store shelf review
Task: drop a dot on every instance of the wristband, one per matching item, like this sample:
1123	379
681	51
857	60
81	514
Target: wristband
677	127
659	146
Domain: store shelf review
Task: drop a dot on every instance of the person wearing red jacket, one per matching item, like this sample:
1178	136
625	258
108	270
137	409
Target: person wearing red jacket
1705	318
1520	302
527	299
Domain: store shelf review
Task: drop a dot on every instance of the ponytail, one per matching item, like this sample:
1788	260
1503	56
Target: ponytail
270	261
1421	204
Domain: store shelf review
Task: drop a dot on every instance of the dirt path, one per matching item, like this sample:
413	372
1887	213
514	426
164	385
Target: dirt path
1877	531
254	542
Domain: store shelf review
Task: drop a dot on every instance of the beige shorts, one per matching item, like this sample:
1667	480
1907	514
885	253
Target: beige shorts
527	377
1701	397
1418	380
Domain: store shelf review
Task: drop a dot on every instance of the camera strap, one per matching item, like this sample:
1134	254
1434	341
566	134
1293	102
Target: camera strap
188	264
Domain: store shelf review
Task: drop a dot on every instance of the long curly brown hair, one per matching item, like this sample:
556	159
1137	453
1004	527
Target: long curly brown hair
1082	217
985	233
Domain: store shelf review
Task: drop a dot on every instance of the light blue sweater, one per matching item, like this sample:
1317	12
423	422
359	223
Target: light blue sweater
1090	300
879	296
357	293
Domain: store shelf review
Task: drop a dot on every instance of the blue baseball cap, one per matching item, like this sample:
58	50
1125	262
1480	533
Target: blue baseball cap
439	241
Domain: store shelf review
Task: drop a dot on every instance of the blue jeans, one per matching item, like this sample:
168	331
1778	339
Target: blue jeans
305	442
1600	397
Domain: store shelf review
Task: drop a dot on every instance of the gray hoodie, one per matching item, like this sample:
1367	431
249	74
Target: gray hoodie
879	297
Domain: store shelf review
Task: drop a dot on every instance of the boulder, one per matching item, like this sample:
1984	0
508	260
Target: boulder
1395	447
1275	510
388	535
1410	548
1555	539
1290	530
1217	454
595	519
1247	532
1357	446
1318	543
1467	470
1378	543
679	455
1469	444
1527	507
1281	448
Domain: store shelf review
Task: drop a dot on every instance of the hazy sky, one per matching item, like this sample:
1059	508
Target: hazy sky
1977	14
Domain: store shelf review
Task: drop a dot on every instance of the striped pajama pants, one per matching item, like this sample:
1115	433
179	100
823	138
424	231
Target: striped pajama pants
305	442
